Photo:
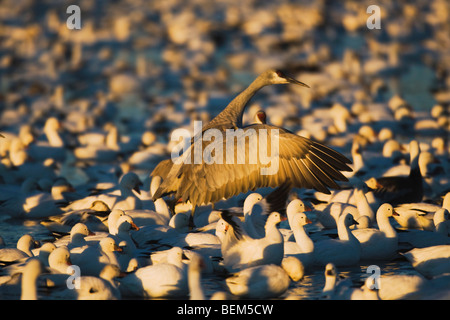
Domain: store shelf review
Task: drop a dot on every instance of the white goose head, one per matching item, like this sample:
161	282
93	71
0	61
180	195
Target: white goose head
386	210
295	206
126	223
113	218
59	260
130	181
108	244
347	219
26	243
301	219
80	231
250	201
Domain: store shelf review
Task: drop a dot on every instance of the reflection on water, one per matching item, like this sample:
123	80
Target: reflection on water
310	287
12	229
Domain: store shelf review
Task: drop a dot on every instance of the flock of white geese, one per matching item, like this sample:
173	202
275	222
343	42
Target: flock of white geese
126	241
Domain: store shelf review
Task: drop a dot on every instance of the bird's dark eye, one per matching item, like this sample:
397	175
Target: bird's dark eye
262	118
280	74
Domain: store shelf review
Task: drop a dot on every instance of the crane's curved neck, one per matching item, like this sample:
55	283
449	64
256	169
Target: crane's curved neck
233	113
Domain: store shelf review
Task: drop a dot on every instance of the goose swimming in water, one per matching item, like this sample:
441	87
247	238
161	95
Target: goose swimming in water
306	163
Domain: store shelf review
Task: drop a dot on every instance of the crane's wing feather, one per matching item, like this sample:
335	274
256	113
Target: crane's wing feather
228	169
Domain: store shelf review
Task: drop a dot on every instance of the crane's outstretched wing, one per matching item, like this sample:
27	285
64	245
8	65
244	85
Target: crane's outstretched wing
227	170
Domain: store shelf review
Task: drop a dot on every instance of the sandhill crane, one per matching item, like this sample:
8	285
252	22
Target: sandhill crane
306	163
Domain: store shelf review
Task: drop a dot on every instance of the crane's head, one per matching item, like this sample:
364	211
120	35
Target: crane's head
278	77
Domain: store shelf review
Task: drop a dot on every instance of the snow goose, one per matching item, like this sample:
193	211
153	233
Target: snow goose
207	253
221	229
437	288
430	261
127	199
17	153
21	282
305	162
328	214
102	287
59	260
424	238
161	256
93	259
161	215
26	167
358	160
240	251
44	252
122	198
125	225
331	279
91	217
381	243
53	147
148	153
399	286
365	212
152	234
195	267
206	219
343	289
259	282
401	189
113	219
294	207
128	258
368	291
29	186
415	216
35	205
191	239
161	280
23	250
303	247
77	236
256	209
356	202
32	271
106	151
41	253
293	267
419	215
345	251
121	226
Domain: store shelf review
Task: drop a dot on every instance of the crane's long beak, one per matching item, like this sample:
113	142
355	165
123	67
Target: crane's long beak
293	81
